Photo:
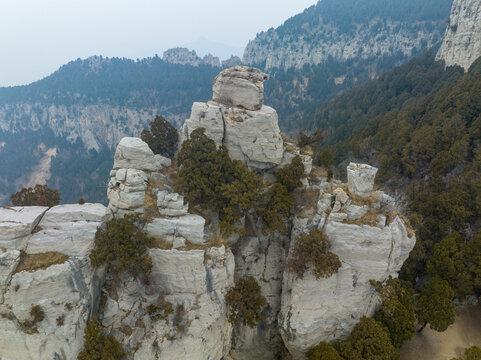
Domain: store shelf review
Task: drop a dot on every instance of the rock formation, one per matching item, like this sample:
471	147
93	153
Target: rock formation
45	263
372	243
462	40
45	259
237	118
184	56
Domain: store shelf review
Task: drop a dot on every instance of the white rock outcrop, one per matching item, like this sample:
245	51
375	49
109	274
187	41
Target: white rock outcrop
67	291
238	119
133	153
240	86
360	179
372	243
17	223
462	40
195	283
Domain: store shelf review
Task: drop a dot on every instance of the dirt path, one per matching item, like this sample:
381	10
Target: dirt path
431	345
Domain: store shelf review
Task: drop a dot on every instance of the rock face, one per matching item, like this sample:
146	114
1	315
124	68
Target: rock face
314	36
240	86
372	243
238	118
462	40
189	271
360	179
67	290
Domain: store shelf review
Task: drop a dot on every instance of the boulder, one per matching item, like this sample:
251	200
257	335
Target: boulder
18	222
171	204
360	179
190	227
69	229
133	153
240	86
253	137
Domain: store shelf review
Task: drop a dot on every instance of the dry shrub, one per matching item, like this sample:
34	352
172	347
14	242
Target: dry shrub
369	218
34	262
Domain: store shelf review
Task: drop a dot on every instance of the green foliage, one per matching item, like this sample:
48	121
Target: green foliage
472	353
246	302
238	195
397	311
209	177
323	351
449	263
473	257
40	195
324	158
369	340
290	175
122	245
98	345
162	137
278	205
421	125
313	250
161	310
435	306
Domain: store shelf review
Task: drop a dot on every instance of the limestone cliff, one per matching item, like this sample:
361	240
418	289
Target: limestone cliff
462	40
193	265
345	30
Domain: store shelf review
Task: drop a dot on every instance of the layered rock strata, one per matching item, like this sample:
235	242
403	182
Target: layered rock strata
372	242
45	264
191	270
462	40
238	119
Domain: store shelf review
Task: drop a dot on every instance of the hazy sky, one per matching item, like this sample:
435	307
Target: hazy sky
38	36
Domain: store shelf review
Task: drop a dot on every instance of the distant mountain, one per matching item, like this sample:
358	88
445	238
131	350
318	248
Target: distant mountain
350	29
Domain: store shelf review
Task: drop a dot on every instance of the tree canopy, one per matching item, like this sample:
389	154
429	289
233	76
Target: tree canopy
162	137
434	306
245	302
369	340
397	311
312	250
122	245
210	178
40	195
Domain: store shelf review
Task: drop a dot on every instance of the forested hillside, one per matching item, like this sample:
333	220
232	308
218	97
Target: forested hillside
421	125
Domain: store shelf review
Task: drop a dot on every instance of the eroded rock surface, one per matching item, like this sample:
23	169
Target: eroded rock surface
462	40
238	119
372	243
66	288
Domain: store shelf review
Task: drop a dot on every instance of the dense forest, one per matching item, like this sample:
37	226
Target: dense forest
421	125
297	94
149	82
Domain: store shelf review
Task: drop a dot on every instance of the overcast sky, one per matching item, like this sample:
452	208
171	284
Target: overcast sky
38	36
